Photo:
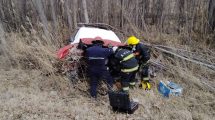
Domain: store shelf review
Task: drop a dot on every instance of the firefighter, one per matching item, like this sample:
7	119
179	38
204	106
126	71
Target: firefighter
97	69
142	54
128	67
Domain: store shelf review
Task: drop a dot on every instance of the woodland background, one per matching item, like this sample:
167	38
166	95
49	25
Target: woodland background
180	33
168	16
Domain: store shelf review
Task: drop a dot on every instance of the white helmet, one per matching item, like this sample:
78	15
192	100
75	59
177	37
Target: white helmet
114	48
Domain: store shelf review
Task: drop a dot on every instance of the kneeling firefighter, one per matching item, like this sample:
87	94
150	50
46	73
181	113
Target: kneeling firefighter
128	67
142	54
97	69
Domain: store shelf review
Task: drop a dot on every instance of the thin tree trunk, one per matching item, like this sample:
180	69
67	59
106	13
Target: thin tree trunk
181	19
159	13
105	11
137	12
54	18
43	18
69	19
1	11
75	3
122	12
211	14
84	3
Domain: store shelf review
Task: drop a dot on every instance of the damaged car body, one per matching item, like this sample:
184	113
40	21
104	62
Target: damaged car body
73	54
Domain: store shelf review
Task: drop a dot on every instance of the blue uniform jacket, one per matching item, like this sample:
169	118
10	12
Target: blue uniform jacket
97	57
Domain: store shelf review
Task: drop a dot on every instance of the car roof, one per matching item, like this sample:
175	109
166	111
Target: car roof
92	32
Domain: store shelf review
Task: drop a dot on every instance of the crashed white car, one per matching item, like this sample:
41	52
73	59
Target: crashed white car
72	54
86	35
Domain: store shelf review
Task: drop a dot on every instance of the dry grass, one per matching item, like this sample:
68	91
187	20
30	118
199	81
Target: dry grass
30	88
28	93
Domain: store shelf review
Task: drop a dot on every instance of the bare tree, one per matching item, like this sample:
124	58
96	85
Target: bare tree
69	19
122	18
1	11
39	6
75	4
211	14
84	3
105	5
54	18
122	14
181	17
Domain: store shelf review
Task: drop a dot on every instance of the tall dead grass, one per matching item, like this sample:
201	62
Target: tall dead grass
30	55
29	52
32	49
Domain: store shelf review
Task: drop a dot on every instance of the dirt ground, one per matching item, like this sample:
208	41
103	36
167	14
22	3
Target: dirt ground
29	94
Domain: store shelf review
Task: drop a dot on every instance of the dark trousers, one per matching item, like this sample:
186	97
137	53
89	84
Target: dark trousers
95	77
127	78
144	68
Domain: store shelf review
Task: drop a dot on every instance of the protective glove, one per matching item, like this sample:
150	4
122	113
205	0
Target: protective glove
114	49
145	84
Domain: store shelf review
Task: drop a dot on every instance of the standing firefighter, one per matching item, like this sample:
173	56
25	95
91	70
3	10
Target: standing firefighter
128	65
97	69
142	54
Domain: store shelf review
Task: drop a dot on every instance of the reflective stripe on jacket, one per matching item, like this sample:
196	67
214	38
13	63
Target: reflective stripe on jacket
130	70
97	56
127	60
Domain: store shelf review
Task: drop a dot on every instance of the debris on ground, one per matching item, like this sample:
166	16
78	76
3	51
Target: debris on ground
169	88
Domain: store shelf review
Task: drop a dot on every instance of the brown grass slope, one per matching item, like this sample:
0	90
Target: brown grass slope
31	89
31	31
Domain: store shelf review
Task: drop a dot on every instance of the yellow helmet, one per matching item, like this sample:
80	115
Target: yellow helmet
132	40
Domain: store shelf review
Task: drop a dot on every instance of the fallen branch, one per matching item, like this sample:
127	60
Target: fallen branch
188	52
185	58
